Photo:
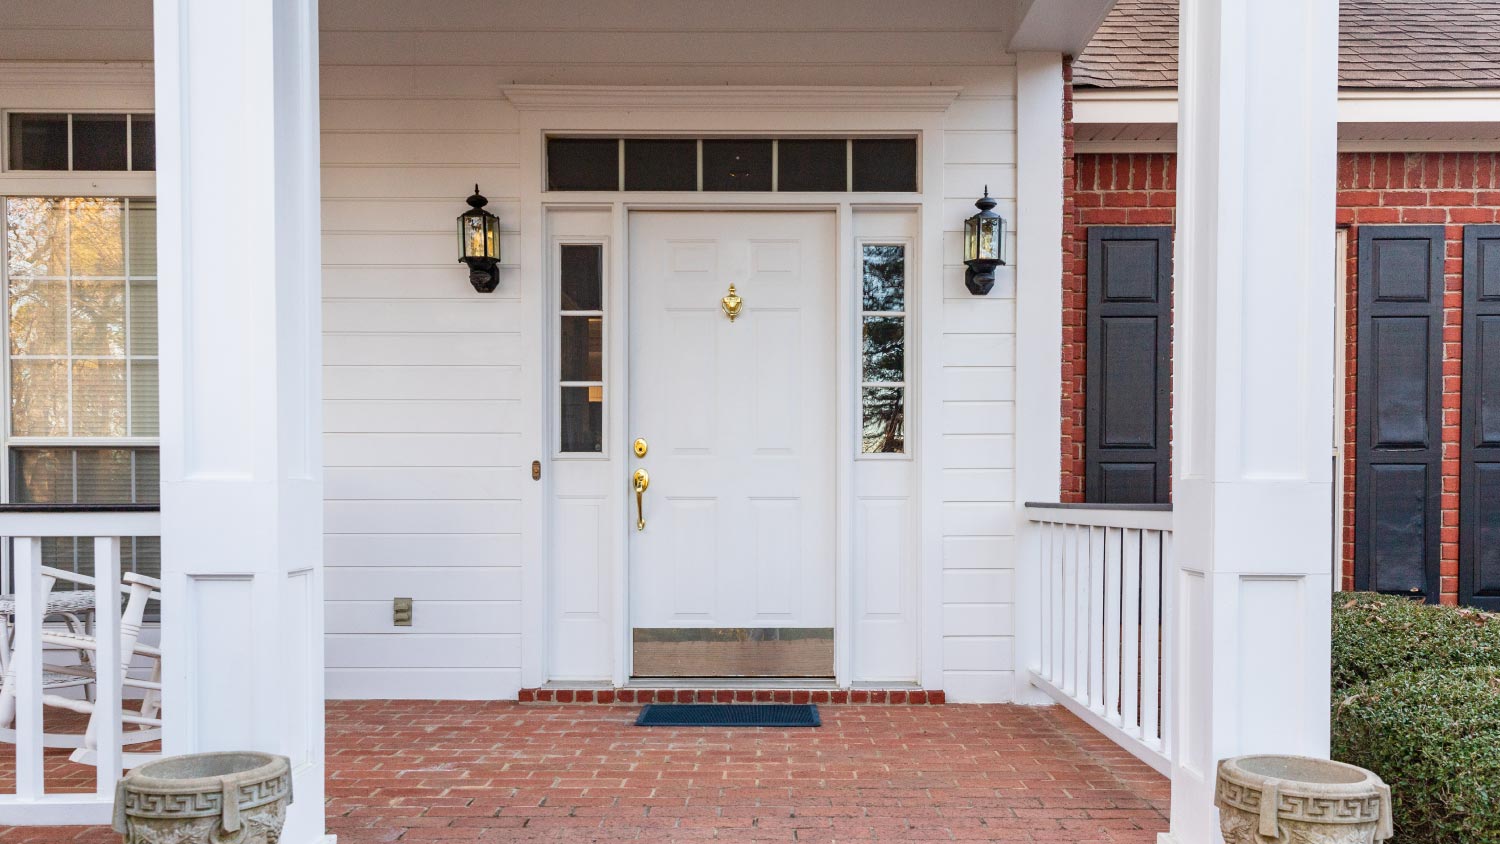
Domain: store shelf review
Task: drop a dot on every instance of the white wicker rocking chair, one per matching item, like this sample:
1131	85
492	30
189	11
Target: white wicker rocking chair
145	719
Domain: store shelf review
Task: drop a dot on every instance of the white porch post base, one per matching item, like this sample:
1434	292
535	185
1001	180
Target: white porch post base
242	493
1253	377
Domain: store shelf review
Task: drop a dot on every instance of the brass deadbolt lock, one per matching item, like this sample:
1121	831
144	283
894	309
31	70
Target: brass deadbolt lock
536	470
401	612
640	448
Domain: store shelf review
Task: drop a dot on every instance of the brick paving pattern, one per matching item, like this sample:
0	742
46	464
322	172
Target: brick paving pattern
420	771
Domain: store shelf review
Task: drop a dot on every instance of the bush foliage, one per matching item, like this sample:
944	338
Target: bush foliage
1434	737
1375	636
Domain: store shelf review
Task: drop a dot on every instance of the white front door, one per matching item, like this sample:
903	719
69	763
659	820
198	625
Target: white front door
732	573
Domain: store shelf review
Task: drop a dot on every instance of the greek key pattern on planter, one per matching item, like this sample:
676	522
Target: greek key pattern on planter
146	804
1294	807
1238	826
257	826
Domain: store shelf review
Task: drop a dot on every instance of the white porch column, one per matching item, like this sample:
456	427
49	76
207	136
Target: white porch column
1039	302
237	135
1253	389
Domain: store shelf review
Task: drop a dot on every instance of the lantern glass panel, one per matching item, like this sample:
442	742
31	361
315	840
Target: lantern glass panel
477	236
989	238
971	239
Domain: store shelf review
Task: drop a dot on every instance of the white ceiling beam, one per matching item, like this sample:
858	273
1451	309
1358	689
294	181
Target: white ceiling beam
1057	26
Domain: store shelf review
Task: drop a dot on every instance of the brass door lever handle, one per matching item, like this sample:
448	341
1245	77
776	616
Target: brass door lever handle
641	480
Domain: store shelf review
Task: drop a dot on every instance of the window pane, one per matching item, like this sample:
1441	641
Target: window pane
142	238
582	348
147	476
582	278
142	555
98	142
36	236
582	419
885	349
661	165
38	317
142	142
41	475
85	476
583	164
98	318
96	237
99	398
812	165
736	165
144	396
143	317
38	142
882	164
885	278
39	398
105	476
884	421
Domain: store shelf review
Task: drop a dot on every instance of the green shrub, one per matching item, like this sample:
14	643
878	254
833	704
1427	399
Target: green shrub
1378	635
1434	737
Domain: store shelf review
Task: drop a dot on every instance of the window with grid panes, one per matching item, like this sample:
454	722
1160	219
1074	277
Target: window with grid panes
80	282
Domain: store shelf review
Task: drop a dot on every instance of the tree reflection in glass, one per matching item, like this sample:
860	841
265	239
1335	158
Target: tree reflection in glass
883	373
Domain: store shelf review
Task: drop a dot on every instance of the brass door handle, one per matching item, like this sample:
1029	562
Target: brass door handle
641	480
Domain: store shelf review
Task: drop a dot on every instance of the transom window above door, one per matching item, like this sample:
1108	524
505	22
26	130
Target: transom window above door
779	165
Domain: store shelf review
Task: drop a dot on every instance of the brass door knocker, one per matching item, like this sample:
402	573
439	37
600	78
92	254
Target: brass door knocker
731	304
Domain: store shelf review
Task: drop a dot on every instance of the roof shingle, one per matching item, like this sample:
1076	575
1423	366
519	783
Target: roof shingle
1382	44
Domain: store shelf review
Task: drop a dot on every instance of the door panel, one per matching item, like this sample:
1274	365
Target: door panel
1479	481
1127	441
1398	449
738	415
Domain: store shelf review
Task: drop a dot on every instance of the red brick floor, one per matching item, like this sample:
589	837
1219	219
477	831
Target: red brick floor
450	772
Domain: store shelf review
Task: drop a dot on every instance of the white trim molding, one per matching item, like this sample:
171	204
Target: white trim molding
1159	105
32	75
704	98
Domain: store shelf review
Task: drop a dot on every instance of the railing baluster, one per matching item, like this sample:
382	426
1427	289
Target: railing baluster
26	662
1112	624
1059	564
1151	565
1168	645
1130	633
109	665
1070	607
1048	561
1086	541
1099	539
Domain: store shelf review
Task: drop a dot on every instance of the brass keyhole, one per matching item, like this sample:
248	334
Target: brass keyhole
639	448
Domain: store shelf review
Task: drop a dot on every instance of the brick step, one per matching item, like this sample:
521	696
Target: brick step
858	697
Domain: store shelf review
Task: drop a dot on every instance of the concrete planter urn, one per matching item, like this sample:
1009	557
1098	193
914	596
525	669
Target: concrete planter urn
1300	800
205	798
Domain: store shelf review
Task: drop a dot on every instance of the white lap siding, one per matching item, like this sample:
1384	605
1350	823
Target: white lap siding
428	413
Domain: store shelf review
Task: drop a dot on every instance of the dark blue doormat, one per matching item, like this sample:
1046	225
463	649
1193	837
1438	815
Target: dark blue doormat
729	715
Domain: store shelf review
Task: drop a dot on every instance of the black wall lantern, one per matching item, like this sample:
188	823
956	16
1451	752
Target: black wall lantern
479	244
984	246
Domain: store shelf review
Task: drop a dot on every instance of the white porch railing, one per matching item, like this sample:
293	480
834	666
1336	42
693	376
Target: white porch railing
93	685
1101	617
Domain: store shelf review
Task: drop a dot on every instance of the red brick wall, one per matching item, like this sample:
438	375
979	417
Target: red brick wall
1453	189
1126	189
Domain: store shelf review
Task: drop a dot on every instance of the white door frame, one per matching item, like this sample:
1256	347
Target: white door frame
739	111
